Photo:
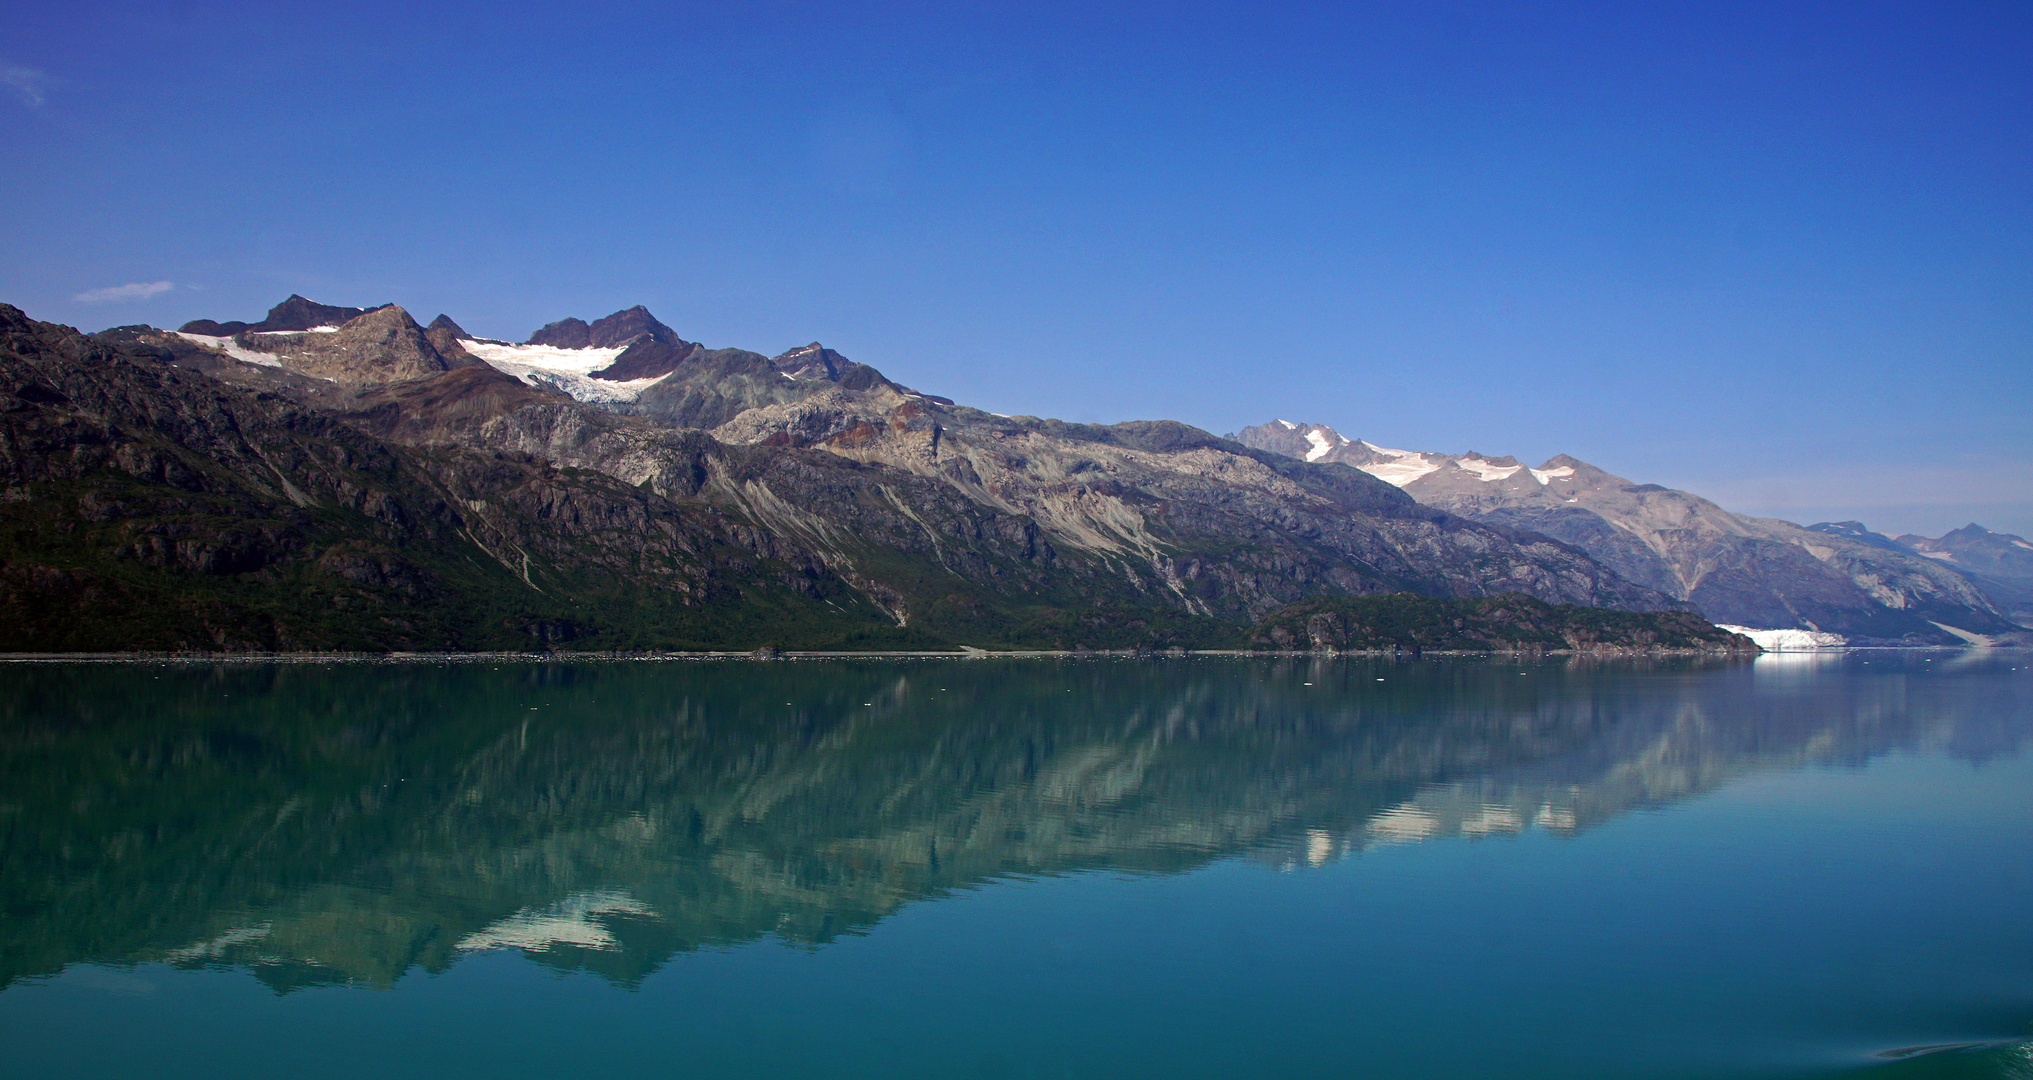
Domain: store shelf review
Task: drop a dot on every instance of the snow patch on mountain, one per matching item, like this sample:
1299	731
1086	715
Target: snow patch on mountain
569	370
234	349
1404	467
1547	476
1322	445
1487	472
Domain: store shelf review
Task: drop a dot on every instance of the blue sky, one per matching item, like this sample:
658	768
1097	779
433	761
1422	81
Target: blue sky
1776	254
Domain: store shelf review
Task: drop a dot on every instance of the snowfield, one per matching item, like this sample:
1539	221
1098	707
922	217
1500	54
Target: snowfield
1405	467
230	348
1486	472
569	370
1322	445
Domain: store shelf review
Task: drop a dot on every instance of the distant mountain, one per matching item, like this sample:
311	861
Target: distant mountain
619	330
1857	531
295	313
2000	562
1745	571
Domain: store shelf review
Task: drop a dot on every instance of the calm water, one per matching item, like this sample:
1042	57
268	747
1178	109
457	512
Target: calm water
1095	868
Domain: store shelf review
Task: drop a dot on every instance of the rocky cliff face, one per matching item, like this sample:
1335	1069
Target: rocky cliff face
1758	572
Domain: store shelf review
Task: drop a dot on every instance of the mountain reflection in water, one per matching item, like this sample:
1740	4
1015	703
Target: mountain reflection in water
322	823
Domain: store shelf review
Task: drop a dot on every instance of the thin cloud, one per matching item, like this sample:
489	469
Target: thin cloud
27	83
114	293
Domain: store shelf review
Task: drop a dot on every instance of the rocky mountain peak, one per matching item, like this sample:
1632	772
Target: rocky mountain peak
814	361
298	313
293	314
566	333
619	330
444	322
628	326
379	345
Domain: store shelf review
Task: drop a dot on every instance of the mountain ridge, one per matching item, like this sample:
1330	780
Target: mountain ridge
1735	569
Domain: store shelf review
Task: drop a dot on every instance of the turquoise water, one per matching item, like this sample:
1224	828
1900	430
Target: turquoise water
1218	867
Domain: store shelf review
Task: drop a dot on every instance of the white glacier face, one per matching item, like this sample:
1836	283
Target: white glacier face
1289	426
1547	476
1788	640
569	370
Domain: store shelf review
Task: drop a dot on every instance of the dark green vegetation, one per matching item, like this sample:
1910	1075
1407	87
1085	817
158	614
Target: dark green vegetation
1509	622
156	494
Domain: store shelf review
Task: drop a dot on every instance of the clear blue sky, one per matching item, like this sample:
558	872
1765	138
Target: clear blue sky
1779	254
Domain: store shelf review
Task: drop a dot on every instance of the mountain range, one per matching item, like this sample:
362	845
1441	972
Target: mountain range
346	478
1837	578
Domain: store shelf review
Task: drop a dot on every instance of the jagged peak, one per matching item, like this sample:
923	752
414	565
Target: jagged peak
301	313
619	330
444	322
628	326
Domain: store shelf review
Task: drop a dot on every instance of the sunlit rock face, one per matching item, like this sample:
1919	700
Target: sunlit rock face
349	823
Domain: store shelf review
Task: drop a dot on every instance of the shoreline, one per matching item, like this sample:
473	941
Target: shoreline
561	656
